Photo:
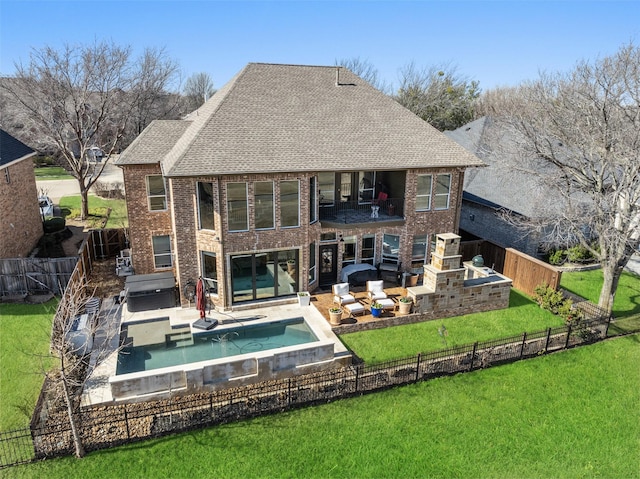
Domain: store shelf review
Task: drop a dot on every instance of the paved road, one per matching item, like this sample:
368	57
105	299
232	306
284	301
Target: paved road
56	189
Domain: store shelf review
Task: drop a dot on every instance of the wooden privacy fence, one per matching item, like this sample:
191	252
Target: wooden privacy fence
528	272
24	276
109	425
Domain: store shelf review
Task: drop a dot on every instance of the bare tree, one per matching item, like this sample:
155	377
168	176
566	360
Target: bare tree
81	99
153	101
198	89
365	70
438	95
584	126
80	342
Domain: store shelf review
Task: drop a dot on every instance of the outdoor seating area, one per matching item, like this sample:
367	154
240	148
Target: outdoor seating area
359	309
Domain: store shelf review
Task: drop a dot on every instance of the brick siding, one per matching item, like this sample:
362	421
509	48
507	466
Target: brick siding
21	221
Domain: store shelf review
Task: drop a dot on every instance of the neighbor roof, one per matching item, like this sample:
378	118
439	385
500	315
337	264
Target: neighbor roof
277	118
500	185
12	149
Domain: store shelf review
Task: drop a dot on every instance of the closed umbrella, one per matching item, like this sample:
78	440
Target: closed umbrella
201	302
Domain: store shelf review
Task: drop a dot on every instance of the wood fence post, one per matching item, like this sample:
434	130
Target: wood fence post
524	339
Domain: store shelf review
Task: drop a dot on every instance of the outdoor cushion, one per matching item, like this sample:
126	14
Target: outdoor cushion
341	294
375	290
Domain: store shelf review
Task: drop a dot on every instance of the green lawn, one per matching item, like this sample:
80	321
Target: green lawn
402	341
52	173
588	284
71	205
24	341
573	414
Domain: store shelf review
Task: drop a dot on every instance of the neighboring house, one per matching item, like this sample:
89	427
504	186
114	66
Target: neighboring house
285	177
493	194
21	221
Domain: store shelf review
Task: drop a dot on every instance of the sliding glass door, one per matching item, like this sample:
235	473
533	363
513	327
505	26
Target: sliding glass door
264	275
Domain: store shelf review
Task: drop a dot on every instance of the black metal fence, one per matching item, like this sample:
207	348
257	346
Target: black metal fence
111	425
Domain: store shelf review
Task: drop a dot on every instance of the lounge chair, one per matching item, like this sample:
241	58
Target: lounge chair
375	290
341	294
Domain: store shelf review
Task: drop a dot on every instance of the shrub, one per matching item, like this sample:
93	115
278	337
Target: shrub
557	257
579	254
56	223
553	301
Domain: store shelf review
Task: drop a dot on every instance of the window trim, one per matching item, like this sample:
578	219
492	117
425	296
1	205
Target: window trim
426	195
205	277
297	225
199	203
437	195
246	206
157	255
273	206
149	195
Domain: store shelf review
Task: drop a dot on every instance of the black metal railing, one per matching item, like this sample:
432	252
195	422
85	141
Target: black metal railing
350	212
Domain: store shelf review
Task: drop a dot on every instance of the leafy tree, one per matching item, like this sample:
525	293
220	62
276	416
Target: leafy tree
584	127
438	95
198	89
81	100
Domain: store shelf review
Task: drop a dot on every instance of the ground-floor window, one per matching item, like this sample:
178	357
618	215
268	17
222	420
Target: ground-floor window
349	251
390	248
161	251
368	250
419	251
210	272
264	275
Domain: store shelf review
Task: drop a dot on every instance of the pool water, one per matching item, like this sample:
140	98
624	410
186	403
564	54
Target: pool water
182	347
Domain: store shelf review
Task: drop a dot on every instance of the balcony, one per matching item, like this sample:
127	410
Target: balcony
356	212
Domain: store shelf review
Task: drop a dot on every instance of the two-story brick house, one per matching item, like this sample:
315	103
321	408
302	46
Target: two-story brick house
21	221
285	177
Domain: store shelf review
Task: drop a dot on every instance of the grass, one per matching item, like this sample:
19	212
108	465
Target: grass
381	345
70	207
572	414
588	284
52	173
24	341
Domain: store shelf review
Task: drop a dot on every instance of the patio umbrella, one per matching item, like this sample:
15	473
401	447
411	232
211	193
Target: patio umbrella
201	302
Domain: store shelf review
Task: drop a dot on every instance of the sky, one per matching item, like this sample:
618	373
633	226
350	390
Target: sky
497	43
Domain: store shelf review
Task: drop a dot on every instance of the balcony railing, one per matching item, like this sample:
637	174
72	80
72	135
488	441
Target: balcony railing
350	212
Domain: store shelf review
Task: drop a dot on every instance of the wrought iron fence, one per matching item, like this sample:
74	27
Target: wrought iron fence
111	425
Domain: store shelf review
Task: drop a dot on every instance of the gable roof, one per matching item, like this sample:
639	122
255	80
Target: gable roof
279	118
12	149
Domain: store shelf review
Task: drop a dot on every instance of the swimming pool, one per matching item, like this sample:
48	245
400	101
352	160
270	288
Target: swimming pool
160	356
178	346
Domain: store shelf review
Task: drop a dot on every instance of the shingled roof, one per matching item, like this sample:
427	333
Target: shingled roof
277	118
12	149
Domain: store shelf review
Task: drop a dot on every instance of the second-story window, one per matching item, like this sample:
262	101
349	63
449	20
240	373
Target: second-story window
443	189
289	203
156	193
205	206
237	206
264	210
423	192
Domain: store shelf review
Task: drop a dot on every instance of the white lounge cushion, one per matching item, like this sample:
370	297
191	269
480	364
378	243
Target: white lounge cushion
375	289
